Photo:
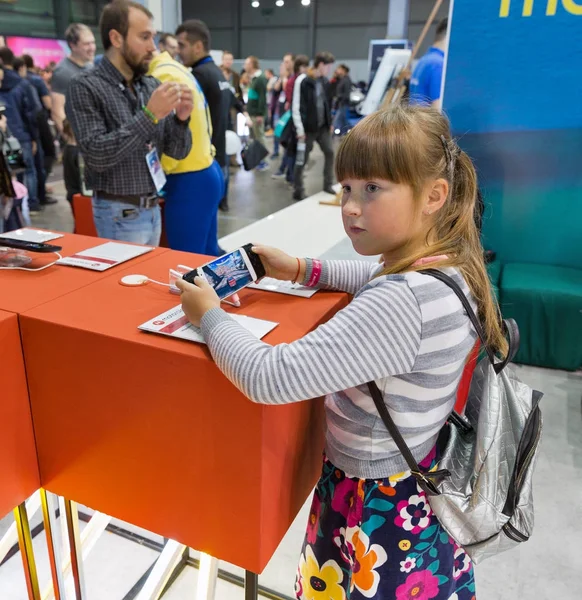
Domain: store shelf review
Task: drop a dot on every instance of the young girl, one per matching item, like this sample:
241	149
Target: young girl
408	194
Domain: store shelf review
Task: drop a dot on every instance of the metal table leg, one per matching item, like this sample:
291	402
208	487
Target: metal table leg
251	586
48	501
72	517
26	551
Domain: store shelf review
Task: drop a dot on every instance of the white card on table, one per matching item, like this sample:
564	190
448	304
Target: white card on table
174	323
268	284
105	256
38	236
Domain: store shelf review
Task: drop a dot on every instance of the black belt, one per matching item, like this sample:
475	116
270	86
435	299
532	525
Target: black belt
139	201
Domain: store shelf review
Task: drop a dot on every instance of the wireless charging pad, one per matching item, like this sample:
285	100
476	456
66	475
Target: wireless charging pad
134	280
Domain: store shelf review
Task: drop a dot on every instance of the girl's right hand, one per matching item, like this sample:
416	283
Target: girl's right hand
279	265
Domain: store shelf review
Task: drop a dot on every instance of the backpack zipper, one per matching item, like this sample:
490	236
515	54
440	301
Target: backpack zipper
529	457
525	453
514	534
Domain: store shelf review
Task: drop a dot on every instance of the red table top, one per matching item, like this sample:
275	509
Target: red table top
21	291
129	307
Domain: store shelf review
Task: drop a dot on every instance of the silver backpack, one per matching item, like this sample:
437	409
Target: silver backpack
482	490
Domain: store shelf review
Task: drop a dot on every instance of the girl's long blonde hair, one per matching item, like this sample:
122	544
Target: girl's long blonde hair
413	145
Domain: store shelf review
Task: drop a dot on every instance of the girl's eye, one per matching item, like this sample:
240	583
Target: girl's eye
371	188
346	189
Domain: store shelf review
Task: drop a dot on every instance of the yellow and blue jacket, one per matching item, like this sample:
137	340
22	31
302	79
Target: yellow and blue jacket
165	68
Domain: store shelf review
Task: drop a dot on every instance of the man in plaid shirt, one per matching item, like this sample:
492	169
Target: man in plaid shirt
121	118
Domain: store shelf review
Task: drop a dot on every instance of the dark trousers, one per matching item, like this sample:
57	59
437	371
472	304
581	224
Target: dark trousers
323	138
226	175
39	165
29	177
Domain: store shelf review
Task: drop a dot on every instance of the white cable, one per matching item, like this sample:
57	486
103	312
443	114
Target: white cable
173	286
33	270
159	282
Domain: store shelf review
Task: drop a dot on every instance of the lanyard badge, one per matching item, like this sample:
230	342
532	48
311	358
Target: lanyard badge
155	169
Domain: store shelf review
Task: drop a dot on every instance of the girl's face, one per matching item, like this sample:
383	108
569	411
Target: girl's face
382	217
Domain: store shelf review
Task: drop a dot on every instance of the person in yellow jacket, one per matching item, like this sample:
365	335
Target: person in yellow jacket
195	185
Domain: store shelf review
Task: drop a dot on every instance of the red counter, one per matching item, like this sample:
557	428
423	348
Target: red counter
20	291
147	429
19	475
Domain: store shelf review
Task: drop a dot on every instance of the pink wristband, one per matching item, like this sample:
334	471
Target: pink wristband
315	273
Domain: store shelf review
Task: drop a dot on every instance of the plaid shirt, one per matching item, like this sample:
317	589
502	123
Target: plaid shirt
114	134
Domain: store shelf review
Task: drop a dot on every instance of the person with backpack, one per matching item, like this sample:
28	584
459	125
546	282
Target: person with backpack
22	106
195	42
343	91
42	126
46	137
409	195
311	109
288	137
257	104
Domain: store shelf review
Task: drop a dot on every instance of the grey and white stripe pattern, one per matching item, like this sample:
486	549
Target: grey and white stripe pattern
407	332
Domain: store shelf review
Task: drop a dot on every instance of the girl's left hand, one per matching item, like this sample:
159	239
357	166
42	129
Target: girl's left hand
197	299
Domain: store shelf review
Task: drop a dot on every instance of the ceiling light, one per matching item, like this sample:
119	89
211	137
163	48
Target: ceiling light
306	2
255	4
280	2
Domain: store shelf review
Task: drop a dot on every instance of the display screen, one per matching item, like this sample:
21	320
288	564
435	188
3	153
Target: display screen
227	274
43	51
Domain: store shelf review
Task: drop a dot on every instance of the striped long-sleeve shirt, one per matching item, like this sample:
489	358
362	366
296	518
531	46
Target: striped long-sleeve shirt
407	332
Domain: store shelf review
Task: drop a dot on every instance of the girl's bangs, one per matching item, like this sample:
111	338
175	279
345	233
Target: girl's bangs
376	148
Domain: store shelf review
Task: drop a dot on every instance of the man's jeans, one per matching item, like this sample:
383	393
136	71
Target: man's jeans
341	124
127	223
29	177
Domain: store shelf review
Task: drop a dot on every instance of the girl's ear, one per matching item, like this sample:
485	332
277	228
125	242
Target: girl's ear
437	195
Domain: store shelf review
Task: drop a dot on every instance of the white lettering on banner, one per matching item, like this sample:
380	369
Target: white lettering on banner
572	6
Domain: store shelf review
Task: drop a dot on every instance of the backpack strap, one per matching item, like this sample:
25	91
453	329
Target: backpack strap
509	325
425	479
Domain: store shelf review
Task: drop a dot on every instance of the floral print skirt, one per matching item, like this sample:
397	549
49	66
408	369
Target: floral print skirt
379	539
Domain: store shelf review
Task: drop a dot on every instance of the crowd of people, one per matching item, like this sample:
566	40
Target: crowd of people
113	116
32	124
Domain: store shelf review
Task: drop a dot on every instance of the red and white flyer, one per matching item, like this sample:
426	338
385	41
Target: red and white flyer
174	323
105	256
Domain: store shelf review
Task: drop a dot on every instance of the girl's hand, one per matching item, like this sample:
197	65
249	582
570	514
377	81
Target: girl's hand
197	299
279	265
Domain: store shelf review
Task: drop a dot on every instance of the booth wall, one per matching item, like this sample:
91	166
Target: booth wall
343	27
36	18
513	93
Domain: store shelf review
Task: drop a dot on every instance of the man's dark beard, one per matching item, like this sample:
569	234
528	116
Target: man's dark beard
139	68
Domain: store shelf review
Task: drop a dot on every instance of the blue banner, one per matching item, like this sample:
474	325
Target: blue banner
513	92
515	65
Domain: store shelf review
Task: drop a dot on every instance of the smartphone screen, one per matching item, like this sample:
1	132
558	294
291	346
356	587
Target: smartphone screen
229	273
